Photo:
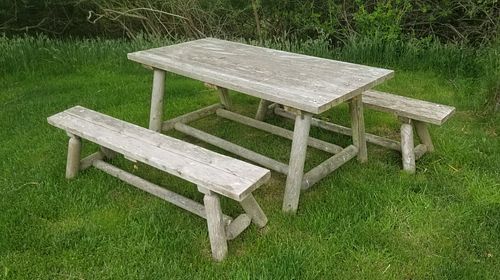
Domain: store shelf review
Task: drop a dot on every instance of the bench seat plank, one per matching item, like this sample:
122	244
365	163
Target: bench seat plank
224	175
408	107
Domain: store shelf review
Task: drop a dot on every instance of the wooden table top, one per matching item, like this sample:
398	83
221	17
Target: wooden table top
303	82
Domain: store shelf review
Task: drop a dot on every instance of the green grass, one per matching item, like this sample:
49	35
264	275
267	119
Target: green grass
363	221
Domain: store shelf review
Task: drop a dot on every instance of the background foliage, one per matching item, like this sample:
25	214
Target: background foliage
450	21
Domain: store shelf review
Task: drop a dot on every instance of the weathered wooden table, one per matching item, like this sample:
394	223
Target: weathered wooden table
304	85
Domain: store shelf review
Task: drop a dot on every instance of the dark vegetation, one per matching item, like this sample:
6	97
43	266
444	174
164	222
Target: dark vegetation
465	21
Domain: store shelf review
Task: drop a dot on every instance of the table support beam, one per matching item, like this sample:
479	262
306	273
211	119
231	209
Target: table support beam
296	165
233	148
374	139
191	116
276	130
158	92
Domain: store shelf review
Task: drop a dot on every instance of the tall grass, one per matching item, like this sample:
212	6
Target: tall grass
30	55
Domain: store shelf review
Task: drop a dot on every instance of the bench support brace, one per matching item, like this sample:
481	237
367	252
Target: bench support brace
424	135
237	226
253	210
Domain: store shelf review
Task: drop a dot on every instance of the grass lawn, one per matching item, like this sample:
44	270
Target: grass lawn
363	221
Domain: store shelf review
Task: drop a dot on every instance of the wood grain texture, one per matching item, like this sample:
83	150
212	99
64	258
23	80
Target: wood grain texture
224	175
307	83
408	107
252	208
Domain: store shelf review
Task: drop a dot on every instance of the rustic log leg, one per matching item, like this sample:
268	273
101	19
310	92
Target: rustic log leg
262	110
297	159
407	147
216	230
73	160
423	135
225	99
358	127
252	208
157	94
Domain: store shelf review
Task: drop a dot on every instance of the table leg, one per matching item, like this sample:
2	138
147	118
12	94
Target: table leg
297	159
155	116
262	110
358	127
225	99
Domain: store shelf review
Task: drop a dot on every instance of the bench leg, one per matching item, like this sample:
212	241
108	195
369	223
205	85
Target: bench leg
225	99
262	110
297	159
423	135
252	208
407	147
73	160
358	127
157	94
216	230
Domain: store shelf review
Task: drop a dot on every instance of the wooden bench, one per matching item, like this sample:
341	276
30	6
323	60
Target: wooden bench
214	174
413	113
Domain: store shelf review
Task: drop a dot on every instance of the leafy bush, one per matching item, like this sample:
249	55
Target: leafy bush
465	21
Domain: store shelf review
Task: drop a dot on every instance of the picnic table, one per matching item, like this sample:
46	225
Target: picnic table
303	85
